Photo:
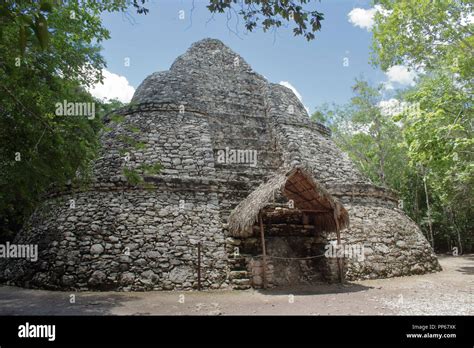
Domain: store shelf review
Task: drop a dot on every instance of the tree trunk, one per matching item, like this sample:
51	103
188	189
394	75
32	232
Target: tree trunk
428	211
381	152
453	221
416	205
382	169
459	241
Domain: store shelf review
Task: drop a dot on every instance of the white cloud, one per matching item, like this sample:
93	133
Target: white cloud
401	75
295	91
363	18
113	87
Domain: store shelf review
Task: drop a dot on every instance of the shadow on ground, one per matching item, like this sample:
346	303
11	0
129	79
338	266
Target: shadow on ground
315	289
466	270
18	301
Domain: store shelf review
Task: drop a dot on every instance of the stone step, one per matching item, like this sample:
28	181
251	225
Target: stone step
242	282
234	275
238	265
241	287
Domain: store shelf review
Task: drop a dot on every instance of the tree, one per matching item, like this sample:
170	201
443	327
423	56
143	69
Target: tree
307	20
30	16
394	147
370	137
48	55
436	40
423	34
32	20
439	139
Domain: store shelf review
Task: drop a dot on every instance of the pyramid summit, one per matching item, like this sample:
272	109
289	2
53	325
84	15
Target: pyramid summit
215	178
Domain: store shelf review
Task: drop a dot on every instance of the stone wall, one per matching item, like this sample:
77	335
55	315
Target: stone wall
181	143
130	240
393	244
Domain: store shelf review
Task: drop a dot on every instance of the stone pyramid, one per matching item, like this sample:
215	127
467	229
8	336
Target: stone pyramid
193	144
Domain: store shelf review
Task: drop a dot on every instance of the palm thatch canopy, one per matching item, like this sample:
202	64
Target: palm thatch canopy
297	185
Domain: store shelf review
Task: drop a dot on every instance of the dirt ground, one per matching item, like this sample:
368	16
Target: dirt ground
450	292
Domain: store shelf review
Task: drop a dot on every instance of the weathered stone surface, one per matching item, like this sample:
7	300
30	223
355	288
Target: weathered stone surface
127	278
132	237
97	249
179	274
97	278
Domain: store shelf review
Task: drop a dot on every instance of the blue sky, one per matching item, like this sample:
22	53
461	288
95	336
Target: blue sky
315	69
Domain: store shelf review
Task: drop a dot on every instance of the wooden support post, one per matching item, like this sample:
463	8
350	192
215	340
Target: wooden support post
264	252
199	266
339	260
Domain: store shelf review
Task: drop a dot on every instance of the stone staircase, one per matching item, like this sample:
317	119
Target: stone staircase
239	277
240	280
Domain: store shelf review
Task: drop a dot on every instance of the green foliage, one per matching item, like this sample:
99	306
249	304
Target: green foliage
370	138
437	37
420	33
151	168
132	142
139	145
32	17
48	54
307	21
132	176
117	118
440	142
133	129
112	105
434	144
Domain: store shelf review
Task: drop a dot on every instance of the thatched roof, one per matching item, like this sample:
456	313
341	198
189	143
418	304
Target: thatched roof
298	185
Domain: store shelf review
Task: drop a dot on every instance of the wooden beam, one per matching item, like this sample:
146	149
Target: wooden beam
199	266
264	252
314	211
305	219
267	209
273	205
291	226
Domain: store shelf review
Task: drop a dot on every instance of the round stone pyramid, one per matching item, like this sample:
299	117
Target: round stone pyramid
194	142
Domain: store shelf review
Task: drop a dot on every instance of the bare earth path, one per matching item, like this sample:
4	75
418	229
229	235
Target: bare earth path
450	292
